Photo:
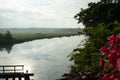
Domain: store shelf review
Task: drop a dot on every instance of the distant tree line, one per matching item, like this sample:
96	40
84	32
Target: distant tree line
6	38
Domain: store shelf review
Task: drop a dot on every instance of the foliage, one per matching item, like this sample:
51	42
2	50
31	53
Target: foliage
6	38
111	61
82	76
6	41
98	13
101	20
86	59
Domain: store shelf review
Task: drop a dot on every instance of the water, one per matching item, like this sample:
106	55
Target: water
46	58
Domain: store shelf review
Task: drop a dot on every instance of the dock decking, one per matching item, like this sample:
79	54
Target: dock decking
14	71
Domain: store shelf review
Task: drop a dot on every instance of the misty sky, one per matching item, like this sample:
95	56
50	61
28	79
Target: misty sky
40	13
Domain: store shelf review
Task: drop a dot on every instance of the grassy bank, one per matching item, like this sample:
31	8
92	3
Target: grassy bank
20	35
24	37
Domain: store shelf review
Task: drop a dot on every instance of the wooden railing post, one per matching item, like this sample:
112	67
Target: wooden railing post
14	69
27	78
3	69
19	78
6	78
23	67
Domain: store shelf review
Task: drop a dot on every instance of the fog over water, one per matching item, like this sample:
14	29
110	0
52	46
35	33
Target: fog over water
46	58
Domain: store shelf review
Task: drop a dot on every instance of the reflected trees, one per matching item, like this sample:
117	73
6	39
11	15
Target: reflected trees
6	41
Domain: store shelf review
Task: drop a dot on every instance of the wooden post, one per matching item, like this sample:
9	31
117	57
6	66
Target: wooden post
20	78
3	69
6	78
13	78
14	69
23	68
27	78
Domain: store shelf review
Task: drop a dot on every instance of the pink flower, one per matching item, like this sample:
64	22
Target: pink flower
118	75
118	64
105	51
113	76
112	60
106	77
118	37
102	62
112	40
115	50
113	55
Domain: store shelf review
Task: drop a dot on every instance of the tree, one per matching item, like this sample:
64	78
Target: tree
100	20
98	13
86	59
8	37
6	41
1	37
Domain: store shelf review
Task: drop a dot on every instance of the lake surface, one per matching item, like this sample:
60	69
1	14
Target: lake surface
46	58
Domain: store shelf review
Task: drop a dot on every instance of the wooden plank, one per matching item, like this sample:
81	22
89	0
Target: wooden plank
10	65
12	70
9	75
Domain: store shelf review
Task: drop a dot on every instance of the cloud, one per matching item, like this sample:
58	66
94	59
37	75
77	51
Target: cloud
40	13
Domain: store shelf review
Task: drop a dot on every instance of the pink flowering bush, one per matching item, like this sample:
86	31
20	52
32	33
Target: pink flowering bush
111	61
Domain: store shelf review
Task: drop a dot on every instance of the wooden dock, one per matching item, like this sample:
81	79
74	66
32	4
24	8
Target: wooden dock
13	72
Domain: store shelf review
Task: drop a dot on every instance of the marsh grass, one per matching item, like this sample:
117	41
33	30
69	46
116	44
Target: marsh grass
23	37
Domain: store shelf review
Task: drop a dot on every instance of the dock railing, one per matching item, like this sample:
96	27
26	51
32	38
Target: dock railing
14	71
11	68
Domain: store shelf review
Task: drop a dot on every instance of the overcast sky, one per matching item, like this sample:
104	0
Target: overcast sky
40	13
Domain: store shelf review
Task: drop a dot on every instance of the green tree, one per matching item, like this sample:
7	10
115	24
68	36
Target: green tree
98	13
8	37
1	38
87	58
100	20
118	1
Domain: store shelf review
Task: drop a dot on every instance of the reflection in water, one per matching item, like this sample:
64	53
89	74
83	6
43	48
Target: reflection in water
6	47
46	58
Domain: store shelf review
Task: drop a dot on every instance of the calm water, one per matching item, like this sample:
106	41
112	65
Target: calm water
46	58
